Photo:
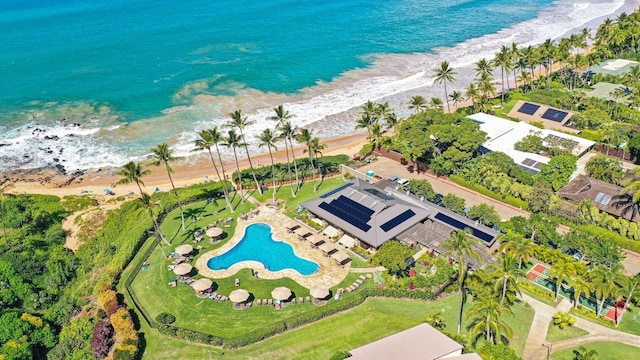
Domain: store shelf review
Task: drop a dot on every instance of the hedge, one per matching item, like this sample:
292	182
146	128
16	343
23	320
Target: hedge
509	199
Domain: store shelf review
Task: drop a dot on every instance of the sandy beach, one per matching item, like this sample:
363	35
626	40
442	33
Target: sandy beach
186	173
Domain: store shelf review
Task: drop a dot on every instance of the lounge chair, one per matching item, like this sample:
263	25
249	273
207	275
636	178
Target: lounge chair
270	302
237	281
308	299
293	301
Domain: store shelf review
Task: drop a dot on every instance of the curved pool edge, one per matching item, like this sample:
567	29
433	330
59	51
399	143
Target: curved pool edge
329	273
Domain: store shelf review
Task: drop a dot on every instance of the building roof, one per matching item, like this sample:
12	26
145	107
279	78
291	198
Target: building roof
599	192
552	118
419	342
392	213
365	212
613	67
503	134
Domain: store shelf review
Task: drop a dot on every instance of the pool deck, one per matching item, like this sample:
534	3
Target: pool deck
329	275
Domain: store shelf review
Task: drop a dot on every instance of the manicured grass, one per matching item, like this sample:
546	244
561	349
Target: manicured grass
555	334
305	194
520	321
356	262
606	351
631	321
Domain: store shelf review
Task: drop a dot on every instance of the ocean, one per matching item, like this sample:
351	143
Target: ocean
96	84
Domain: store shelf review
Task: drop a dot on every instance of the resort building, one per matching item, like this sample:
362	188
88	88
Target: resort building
600	194
613	67
550	117
503	134
372	214
419	342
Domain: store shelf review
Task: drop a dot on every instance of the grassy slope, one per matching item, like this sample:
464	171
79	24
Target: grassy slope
555	334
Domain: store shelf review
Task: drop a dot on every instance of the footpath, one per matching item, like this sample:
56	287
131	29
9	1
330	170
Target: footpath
535	346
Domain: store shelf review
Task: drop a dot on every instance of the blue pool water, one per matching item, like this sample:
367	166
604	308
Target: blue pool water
257	244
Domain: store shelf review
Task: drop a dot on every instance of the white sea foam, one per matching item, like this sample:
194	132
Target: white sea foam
329	108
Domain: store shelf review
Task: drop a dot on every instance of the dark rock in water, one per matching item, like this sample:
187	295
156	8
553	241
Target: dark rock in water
61	169
5	144
60	150
71	135
56	159
52	137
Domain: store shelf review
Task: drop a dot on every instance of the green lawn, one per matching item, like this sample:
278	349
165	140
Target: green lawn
555	334
606	351
305	194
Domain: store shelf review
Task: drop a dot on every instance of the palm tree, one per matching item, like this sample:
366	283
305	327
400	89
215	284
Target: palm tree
145	200
517	246
507	274
484	67
583	354
515	57
547	50
317	148
563	267
282	116
580	286
436	320
456	97
417	103
269	139
370	108
288	132
460	247
366	121
233	141
240	122
163	155
306	137
605	281
443	75
505	61
629	286
3	190
133	173
436	104
486	320
207	139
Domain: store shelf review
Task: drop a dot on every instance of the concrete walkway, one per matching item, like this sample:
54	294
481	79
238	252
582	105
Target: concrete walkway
367	270
533	349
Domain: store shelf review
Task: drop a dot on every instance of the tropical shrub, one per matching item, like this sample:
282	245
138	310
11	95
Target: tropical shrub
165	318
563	320
101	339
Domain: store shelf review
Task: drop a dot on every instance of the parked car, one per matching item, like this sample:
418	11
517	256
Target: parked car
438	199
394	178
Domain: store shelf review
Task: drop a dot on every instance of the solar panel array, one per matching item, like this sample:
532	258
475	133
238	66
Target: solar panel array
350	211
555	115
408	214
461	226
528	108
531	163
602	198
557	140
324	196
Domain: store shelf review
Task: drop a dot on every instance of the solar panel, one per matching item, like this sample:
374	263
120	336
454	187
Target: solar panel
528	108
461	226
537	165
555	115
397	220
345	216
324	196
528	162
602	198
560	141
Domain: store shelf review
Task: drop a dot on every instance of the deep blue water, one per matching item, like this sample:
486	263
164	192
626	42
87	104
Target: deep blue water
258	245
136	55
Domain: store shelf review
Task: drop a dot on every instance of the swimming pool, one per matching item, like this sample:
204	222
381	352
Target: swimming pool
257	244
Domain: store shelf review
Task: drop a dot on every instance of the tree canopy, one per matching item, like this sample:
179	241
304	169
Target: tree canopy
393	256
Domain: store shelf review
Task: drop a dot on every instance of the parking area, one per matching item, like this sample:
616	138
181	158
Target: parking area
387	168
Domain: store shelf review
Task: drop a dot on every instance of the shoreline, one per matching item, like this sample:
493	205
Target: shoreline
196	170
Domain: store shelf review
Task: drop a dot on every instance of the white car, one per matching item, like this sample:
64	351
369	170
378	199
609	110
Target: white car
403	182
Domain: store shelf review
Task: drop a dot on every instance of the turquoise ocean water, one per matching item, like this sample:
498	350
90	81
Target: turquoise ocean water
89	84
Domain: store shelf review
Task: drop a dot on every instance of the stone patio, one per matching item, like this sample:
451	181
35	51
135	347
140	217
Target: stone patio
330	274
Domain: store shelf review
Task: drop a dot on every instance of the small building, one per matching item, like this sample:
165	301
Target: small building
600	194
551	118
504	134
613	67
422	342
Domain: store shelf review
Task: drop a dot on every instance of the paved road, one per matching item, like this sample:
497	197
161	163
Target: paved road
534	349
386	168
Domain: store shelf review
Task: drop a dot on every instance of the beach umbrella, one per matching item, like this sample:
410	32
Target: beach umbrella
202	284
184	249
281	293
319	292
214	232
182	269
239	295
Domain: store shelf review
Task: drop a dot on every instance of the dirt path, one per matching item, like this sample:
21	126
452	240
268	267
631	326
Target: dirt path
72	223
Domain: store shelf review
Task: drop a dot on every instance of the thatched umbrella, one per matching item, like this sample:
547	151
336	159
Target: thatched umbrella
319	292
281	293
214	232
182	269
202	284
184	249
239	295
